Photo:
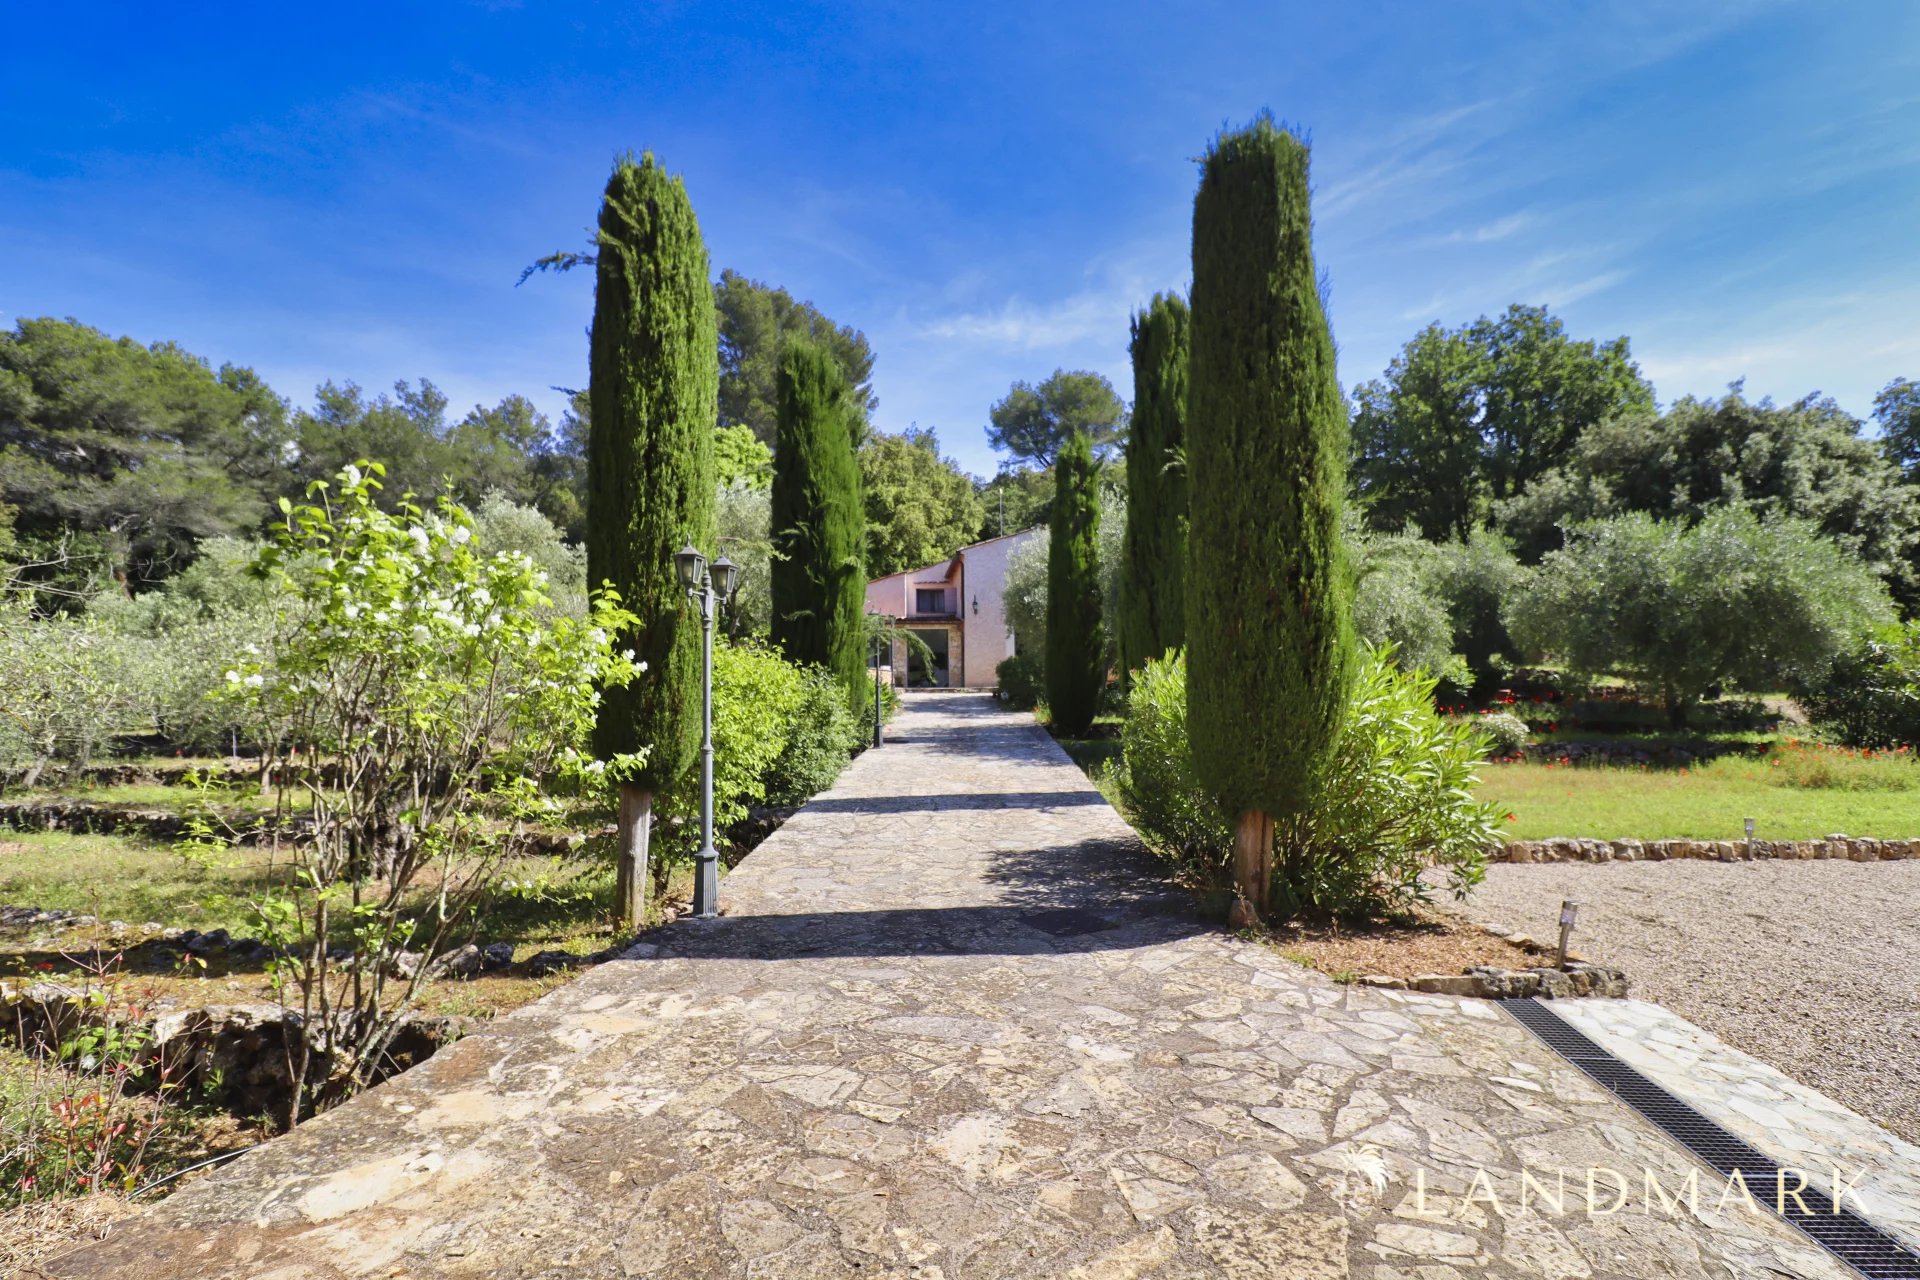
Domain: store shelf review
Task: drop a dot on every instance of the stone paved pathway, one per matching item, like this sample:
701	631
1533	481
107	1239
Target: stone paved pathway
955	1029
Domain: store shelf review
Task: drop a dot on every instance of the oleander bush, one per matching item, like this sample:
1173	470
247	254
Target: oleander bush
1396	799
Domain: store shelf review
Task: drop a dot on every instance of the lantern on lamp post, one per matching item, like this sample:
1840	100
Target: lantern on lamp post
708	585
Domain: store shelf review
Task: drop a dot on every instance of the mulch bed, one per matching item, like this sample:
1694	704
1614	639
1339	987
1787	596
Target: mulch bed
1422	940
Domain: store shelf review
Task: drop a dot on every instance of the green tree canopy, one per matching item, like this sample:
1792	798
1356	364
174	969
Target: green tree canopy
819	580
1897	410
650	465
740	458
1808	460
1016	498
1076	643
509	448
1468	416
1269	593
145	448
1152	611
1033	422
1420	458
1681	608
921	507
755	321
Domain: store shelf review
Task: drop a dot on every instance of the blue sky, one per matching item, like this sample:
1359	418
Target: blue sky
349	191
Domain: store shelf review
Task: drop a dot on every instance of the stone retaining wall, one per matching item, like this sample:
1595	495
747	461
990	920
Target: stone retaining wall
1570	849
236	1052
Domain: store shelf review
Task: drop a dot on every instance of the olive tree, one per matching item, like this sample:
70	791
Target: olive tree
1680	609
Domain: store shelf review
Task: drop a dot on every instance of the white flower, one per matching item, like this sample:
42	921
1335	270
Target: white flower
352	474
254	681
233	677
461	534
419	537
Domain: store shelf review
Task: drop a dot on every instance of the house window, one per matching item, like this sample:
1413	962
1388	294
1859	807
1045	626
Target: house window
930	600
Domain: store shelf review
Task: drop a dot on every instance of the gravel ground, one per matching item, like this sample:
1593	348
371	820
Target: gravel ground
1813	967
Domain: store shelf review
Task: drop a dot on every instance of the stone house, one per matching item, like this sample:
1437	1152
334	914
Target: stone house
956	607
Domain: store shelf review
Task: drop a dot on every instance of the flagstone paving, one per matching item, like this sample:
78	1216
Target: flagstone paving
954	1027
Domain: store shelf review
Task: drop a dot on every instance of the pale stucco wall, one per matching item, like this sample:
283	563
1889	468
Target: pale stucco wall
980	574
987	637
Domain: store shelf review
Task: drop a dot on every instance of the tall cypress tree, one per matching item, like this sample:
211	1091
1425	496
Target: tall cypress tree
1153	567
1269	595
654	383
819	520
1075	669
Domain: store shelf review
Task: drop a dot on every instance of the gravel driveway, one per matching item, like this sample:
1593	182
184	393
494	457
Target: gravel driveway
1811	966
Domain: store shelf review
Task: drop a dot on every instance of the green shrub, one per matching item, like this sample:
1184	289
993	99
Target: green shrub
1022	680
822	737
757	700
1157	783
72	686
1397	601
1396	798
1870	696
1507	732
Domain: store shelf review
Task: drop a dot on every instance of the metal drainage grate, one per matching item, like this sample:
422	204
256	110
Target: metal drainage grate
1842	1232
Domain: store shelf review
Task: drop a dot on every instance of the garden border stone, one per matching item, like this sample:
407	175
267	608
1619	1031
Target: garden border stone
1580	977
1581	849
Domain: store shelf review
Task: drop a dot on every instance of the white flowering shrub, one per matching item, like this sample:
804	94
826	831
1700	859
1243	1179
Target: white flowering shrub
426	701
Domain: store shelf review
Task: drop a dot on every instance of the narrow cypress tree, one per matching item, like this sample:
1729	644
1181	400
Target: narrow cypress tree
1153	568
1075	670
1269	596
819	519
653	389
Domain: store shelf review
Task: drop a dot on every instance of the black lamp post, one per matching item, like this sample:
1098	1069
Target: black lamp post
879	642
709	586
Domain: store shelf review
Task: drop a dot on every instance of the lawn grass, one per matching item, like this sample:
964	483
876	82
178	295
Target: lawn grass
238	797
117	877
541	899
1794	793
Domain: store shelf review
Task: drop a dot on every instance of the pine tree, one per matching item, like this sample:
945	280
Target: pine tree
1269	594
1153	575
654	376
1075	645
819	521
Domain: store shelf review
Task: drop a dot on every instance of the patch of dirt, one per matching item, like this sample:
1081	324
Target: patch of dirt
34	1232
1422	940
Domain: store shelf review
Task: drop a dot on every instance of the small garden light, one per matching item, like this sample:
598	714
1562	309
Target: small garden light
1569	912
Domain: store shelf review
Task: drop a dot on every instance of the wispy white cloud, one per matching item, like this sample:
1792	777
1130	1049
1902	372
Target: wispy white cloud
1847	343
1097	310
1490	232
